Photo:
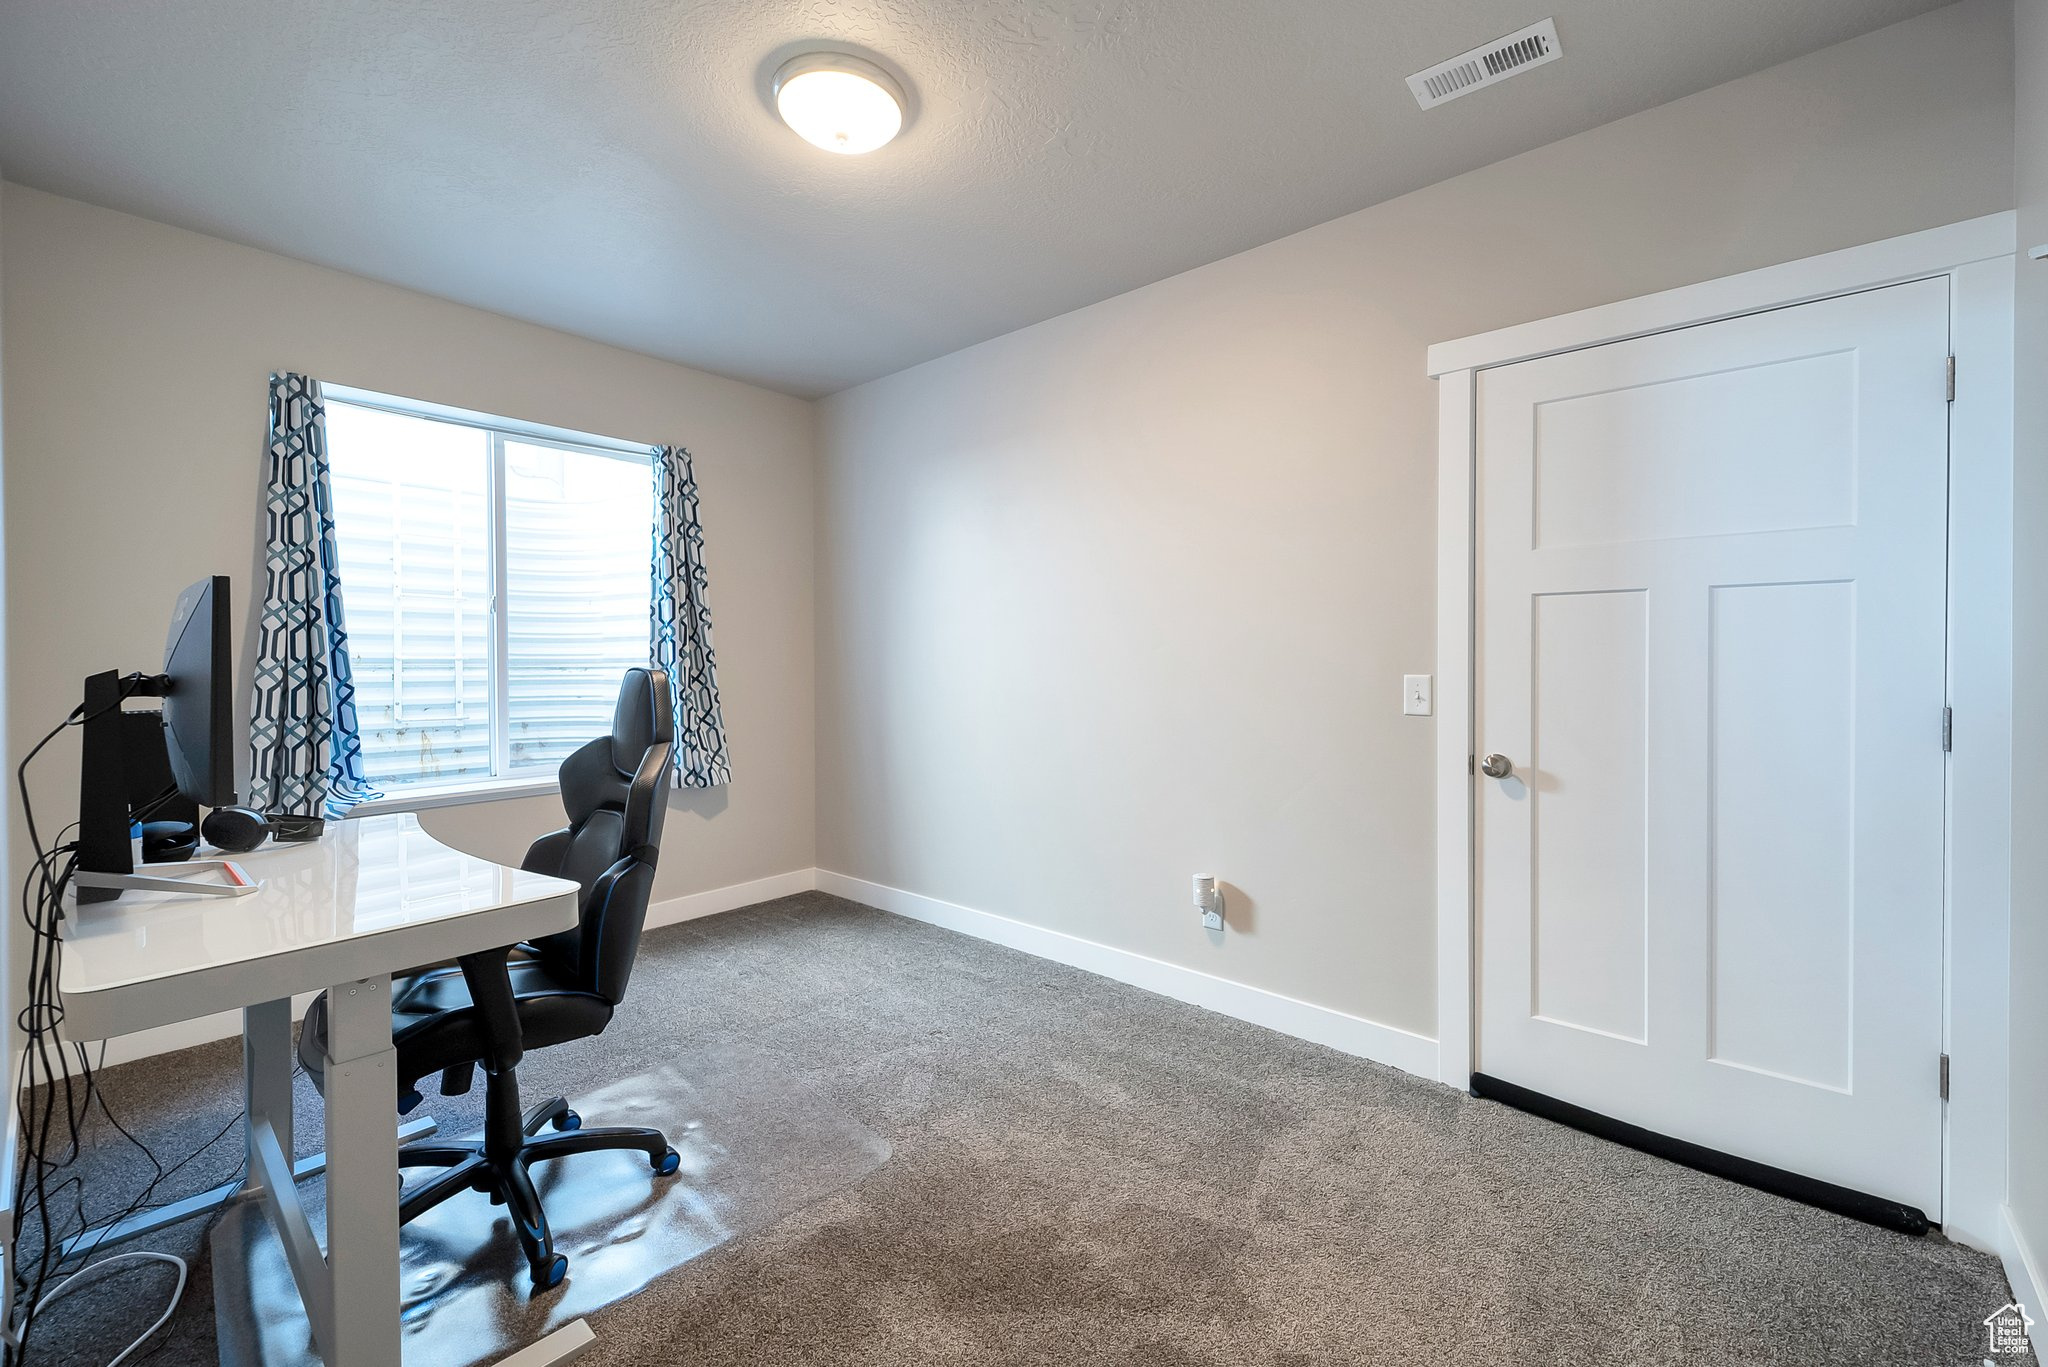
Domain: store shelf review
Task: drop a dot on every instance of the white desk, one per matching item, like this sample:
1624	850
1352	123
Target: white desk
377	896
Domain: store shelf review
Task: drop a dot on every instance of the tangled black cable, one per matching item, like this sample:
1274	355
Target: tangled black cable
56	1099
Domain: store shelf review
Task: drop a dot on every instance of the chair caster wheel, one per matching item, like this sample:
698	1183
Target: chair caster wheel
567	1120
667	1163
549	1277
497	1197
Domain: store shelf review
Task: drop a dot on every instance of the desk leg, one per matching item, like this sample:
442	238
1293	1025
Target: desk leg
362	1175
267	1077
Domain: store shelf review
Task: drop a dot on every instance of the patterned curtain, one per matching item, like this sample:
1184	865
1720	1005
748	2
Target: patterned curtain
305	754
682	624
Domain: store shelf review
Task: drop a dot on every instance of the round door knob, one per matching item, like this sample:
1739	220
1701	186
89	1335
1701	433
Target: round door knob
1496	766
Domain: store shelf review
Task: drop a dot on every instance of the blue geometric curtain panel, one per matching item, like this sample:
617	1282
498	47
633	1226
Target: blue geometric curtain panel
682	624
305	753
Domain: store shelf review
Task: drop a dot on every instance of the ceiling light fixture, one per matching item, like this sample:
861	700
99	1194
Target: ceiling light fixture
838	102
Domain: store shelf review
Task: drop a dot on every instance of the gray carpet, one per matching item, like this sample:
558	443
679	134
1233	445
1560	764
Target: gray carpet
1085	1173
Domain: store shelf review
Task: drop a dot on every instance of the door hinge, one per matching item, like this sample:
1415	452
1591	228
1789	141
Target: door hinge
1944	1077
1951	379
1948	729
1472	764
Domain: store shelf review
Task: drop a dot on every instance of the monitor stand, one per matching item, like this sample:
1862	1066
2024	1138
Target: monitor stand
106	859
234	880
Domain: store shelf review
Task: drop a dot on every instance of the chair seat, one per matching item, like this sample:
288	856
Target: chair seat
434	1025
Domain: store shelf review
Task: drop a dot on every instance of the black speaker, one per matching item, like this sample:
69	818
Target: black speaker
234	829
167	842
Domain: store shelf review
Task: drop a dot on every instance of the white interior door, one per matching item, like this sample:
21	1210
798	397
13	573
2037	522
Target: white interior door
1711	588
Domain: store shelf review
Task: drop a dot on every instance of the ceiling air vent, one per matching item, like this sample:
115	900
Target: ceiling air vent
1482	66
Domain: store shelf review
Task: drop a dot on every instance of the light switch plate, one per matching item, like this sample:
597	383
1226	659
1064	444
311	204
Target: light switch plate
1415	694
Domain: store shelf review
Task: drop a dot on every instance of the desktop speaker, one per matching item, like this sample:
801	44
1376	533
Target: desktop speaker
234	829
167	842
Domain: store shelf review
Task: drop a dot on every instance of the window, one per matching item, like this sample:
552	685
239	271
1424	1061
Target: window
496	582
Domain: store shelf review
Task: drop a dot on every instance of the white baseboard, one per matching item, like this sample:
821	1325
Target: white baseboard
222	1025
2025	1273
689	907
1319	1024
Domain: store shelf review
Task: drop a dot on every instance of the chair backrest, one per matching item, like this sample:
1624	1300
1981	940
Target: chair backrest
615	790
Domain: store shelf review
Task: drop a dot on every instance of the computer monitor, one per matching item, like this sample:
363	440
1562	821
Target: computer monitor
199	704
195	736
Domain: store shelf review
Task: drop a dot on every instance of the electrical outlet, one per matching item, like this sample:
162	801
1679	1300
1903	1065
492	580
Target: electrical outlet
1209	901
1415	694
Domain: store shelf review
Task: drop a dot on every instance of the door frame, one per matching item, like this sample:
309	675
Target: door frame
1976	256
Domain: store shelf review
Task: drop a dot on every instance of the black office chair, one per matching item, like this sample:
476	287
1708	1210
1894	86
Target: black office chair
492	1007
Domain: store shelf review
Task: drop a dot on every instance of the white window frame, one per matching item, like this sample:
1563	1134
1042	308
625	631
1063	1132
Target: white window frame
500	785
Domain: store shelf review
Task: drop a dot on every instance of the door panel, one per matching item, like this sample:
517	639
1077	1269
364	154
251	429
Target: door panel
1718	436
1783	835
1711	626
1587	839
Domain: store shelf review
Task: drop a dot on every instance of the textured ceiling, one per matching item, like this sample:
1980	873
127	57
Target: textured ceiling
612	168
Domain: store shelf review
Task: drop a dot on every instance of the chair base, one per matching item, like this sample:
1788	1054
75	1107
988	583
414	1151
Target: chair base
497	1165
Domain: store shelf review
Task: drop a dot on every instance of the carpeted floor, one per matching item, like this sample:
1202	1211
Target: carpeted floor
1085	1173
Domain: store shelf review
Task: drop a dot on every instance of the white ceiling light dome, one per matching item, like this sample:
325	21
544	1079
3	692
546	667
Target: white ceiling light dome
839	102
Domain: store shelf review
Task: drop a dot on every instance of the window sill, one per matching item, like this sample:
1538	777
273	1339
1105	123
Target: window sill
490	790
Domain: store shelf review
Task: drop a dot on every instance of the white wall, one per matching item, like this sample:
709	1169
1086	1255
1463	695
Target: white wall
2028	1197
9	1119
137	379
1128	595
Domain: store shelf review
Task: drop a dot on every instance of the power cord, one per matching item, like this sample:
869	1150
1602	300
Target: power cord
177	1292
56	1100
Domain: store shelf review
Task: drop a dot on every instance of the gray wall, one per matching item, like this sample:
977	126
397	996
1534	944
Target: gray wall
2028	1197
1128	595
135	439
